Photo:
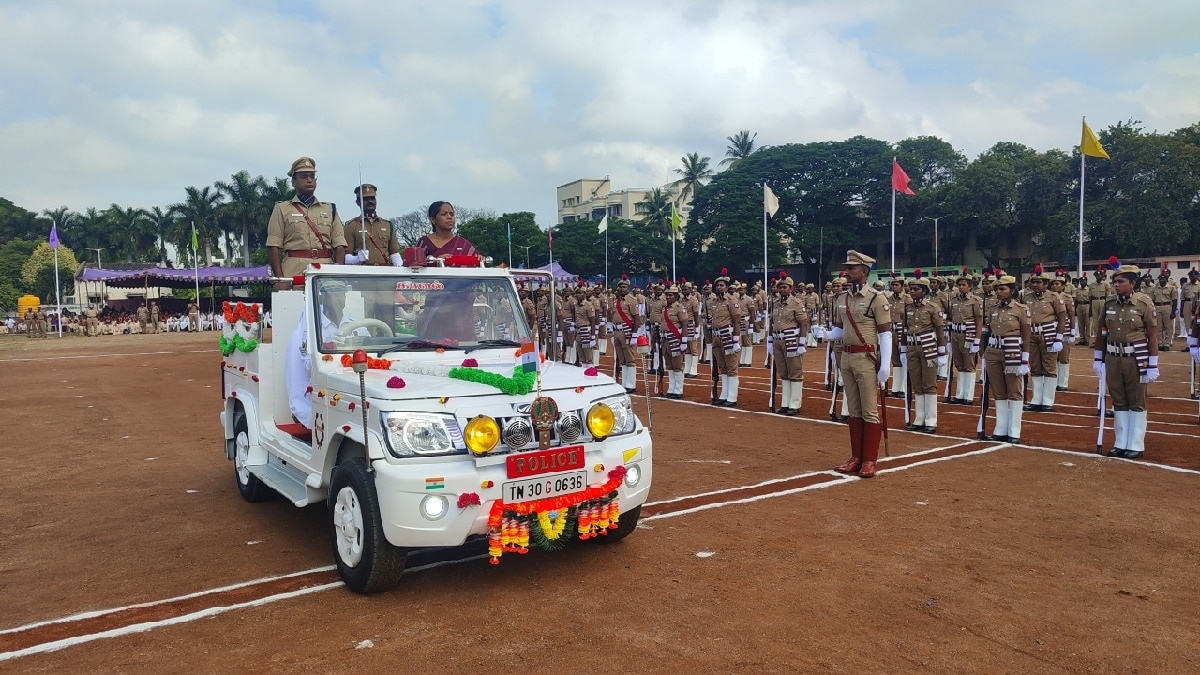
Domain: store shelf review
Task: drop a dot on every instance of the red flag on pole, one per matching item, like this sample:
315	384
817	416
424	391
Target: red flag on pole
900	179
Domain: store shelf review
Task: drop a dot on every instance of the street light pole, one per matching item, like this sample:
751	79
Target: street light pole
97	250
935	237
526	253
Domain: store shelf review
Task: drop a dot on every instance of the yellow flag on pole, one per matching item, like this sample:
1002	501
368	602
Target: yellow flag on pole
676	221
1090	145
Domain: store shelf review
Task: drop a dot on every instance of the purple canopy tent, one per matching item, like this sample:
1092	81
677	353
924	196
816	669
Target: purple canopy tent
560	275
166	277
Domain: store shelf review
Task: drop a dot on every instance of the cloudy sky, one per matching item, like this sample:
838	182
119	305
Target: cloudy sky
492	104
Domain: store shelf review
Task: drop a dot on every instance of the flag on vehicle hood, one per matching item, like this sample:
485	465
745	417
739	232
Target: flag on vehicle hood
529	357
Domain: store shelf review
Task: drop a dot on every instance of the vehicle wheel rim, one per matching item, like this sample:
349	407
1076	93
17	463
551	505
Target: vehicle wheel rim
348	527
241	456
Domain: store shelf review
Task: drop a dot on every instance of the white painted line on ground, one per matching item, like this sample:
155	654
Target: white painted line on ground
841	479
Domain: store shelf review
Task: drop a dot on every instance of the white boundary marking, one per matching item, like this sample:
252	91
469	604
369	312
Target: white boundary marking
840	479
105	356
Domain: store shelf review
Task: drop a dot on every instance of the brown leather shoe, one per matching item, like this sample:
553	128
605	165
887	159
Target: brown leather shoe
867	470
852	465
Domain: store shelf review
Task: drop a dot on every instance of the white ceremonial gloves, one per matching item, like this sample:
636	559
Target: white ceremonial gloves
1098	363
835	333
1194	348
1152	371
801	348
974	346
941	358
1024	367
396	259
1058	344
885	358
357	259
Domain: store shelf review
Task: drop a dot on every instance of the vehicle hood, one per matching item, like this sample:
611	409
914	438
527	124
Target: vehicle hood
432	384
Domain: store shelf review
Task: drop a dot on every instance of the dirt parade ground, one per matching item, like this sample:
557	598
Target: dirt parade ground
126	547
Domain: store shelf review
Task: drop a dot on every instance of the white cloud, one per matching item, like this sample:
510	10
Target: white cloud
493	104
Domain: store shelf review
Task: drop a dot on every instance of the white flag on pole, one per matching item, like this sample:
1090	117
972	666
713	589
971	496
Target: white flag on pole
770	201
604	224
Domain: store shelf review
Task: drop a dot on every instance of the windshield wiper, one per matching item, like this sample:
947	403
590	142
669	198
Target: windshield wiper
417	344
485	344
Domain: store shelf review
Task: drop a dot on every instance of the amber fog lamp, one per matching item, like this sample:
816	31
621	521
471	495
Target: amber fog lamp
481	435
600	421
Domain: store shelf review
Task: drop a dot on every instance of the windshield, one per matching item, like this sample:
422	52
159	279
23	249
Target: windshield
382	313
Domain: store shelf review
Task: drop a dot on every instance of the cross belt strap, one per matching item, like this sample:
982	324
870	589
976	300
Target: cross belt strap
311	226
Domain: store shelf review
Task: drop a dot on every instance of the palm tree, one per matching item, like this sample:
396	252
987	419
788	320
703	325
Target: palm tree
93	229
245	205
66	220
129	229
741	145
199	208
695	173
163	220
656	207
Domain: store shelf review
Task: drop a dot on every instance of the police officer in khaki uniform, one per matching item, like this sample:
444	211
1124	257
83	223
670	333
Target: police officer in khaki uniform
923	345
1006	359
193	312
1188	292
674	322
725	318
1048	324
626	321
789	324
585	325
1099	291
966	326
1126	357
92	319
654	308
898	298
691	361
1083	310
1061	284
1165	296
862	320
380	247
307	229
154	327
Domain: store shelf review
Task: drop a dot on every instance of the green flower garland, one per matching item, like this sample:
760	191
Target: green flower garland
238	342
519	384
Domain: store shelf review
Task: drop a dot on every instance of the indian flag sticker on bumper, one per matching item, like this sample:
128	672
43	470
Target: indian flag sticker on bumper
438	483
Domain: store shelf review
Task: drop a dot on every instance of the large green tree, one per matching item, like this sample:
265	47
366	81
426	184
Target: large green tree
245	209
692	175
490	236
741	146
199	208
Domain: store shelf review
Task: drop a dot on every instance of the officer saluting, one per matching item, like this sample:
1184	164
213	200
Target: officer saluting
1127	359
862	321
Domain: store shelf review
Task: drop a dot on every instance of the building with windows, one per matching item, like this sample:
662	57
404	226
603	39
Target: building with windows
594	198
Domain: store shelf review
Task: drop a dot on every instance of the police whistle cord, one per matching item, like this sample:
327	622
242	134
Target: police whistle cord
983	407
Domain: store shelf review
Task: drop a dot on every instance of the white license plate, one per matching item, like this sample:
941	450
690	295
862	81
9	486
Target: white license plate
541	487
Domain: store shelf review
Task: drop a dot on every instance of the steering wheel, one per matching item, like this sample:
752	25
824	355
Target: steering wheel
349	328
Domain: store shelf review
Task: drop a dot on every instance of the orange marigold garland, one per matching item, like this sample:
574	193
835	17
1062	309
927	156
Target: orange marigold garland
595	509
372	362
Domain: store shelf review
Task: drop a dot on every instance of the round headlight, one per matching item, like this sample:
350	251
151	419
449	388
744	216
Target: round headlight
633	476
600	421
481	435
434	507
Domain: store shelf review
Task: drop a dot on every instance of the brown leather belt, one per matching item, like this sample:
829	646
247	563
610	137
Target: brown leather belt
858	349
311	254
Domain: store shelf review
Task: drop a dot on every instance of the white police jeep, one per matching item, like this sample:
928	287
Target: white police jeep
414	402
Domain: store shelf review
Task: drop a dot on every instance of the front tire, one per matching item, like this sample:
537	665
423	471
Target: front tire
366	560
251	488
628	523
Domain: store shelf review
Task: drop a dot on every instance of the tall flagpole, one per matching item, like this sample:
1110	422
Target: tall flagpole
606	279
1082	178
765	280
893	225
57	296
509	245
362	218
196	267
